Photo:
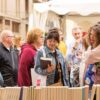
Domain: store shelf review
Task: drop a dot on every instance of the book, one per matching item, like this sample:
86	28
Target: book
97	96
10	93
45	62
93	92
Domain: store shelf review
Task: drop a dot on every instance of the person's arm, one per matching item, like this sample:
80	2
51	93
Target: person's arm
87	56
24	66
38	67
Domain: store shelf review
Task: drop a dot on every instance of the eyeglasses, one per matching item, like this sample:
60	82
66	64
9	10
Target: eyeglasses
77	33
10	36
42	37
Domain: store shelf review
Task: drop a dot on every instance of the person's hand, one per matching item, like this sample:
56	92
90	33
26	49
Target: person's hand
79	54
50	68
74	48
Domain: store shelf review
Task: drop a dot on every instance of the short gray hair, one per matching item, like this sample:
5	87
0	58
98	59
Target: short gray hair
4	33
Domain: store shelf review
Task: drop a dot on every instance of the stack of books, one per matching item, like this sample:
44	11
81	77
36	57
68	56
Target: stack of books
48	93
95	92
61	93
1	91
11	93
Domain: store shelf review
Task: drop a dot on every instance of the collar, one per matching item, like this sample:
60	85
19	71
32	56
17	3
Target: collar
48	51
8	49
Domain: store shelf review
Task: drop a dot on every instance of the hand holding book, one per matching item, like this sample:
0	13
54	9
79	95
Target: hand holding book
45	62
50	68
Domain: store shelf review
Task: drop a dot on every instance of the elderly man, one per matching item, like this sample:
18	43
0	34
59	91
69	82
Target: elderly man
8	59
74	56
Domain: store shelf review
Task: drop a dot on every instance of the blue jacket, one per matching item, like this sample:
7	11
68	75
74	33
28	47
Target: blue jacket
50	76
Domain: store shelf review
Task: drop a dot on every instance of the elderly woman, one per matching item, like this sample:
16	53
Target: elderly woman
92	69
56	72
28	52
17	43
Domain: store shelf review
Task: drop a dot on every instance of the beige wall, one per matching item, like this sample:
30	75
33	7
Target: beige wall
0	6
11	7
84	21
22	8
14	12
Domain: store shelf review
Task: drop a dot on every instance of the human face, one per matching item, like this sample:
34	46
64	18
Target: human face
77	34
10	39
92	38
40	40
52	44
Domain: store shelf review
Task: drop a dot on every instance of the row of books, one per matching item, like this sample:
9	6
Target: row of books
15	93
49	93
95	93
61	93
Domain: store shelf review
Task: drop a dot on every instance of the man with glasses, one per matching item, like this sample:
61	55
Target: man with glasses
74	55
8	59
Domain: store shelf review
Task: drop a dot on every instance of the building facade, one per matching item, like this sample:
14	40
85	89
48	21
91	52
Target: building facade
14	15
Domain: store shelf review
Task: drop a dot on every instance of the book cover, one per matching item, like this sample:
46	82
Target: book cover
45	62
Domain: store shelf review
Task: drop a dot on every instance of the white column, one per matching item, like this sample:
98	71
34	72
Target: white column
22	8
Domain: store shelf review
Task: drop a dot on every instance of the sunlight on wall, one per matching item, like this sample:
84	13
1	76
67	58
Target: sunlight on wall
73	1
69	25
30	22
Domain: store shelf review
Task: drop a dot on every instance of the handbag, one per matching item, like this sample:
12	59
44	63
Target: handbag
37	79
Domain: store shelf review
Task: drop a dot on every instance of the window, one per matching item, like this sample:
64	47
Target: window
7	22
26	28
0	21
15	27
26	7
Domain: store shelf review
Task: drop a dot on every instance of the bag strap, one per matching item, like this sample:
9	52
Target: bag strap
57	61
43	50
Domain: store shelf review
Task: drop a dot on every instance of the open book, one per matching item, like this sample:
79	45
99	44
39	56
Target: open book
45	62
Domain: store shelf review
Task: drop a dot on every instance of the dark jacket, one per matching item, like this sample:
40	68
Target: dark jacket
26	62
8	65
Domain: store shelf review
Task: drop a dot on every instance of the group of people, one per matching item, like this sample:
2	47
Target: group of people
83	57
80	66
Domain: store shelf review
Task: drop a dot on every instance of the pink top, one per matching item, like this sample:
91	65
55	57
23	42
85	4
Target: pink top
94	56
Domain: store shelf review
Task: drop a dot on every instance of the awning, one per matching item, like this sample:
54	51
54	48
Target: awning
62	7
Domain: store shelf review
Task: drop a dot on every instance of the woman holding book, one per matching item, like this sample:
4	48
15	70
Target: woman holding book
56	71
